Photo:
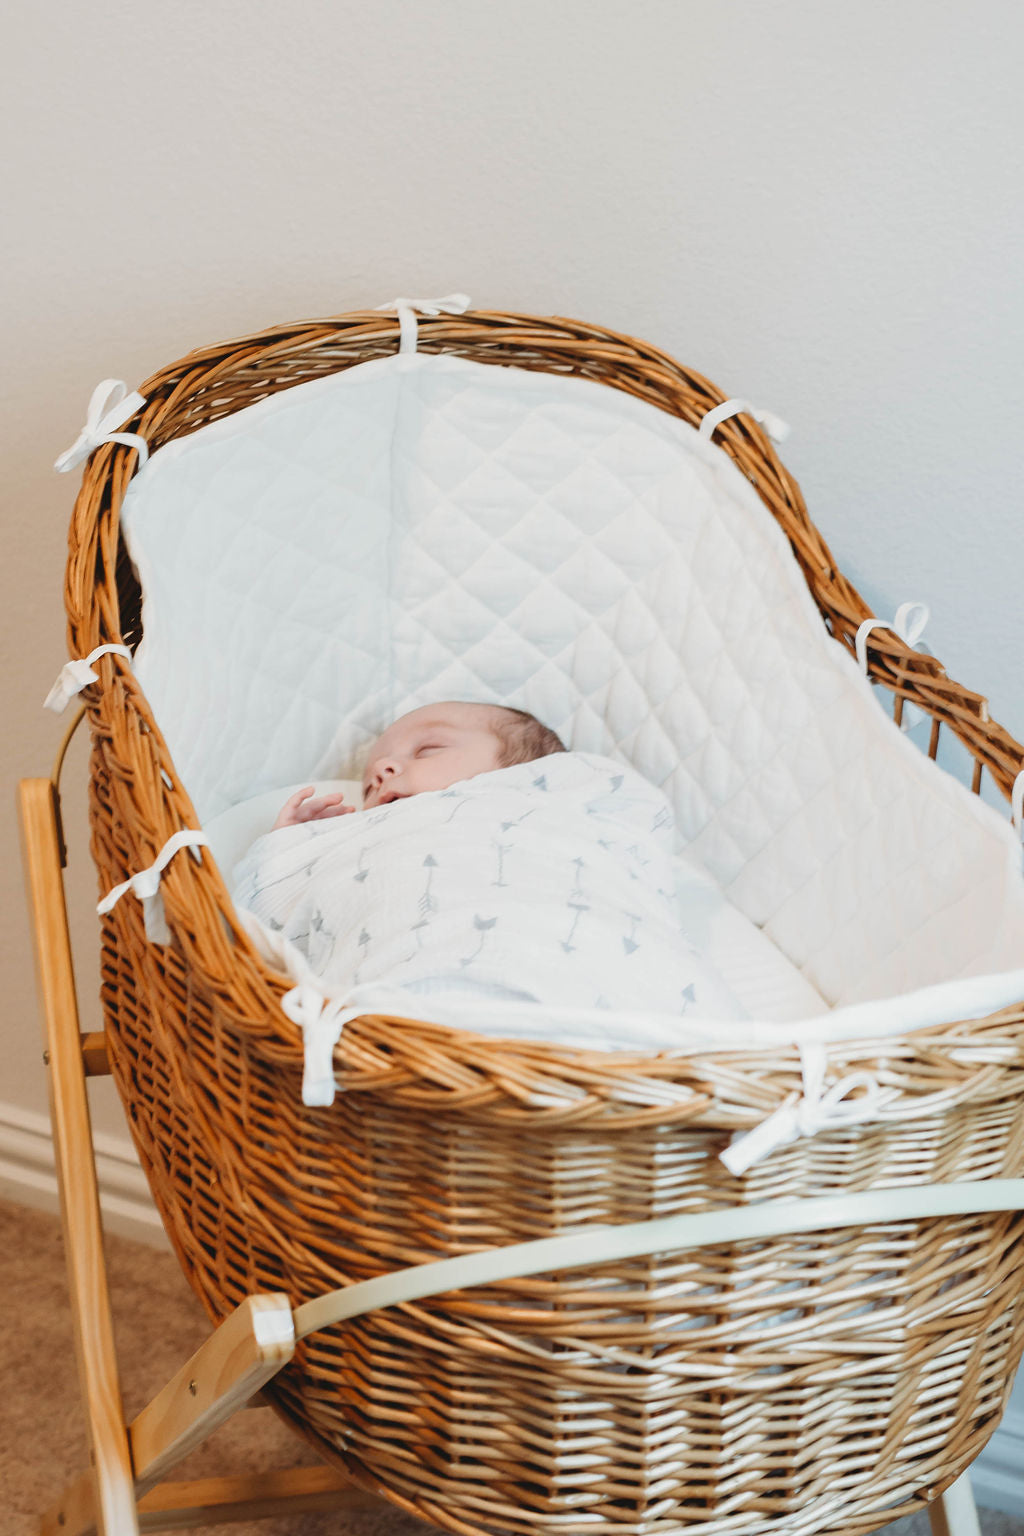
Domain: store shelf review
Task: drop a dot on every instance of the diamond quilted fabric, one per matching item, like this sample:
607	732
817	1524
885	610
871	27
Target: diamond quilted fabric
425	527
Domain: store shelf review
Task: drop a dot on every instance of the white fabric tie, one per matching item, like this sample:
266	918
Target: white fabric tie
146	885
806	1114
909	623
321	1020
777	429
76	675
452	304
109	408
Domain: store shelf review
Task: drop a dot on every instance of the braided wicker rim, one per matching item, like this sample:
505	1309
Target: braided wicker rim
138	800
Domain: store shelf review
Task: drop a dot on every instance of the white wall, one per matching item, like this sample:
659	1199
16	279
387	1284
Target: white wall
815	204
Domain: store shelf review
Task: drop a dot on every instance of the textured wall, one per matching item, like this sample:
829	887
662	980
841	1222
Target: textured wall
816	205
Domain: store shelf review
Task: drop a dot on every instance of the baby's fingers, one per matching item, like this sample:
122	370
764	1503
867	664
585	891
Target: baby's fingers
291	812
324	806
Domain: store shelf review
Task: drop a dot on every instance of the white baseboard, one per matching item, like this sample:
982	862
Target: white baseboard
28	1175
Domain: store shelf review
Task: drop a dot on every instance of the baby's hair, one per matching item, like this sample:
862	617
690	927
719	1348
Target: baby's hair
523	738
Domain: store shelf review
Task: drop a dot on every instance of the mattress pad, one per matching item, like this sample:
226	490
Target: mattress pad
424	527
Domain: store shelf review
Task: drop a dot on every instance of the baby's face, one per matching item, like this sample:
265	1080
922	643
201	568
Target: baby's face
429	749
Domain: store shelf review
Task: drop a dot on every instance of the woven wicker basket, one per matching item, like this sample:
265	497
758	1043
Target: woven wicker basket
822	1382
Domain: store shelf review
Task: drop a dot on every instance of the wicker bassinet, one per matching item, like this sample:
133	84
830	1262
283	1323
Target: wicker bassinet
829	1381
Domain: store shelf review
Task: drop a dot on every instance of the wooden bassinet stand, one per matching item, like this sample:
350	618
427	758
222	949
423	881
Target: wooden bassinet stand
443	1409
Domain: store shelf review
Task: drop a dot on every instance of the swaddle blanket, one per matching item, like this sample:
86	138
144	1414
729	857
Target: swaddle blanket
550	882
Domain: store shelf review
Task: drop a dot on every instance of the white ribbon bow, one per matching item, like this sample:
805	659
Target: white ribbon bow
321	1020
109	408
777	429
76	675
806	1114
909	623
452	304
146	885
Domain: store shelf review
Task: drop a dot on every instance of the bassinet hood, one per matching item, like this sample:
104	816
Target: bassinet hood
424	527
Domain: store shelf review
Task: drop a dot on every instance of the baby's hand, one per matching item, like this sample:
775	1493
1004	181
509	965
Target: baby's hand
299	808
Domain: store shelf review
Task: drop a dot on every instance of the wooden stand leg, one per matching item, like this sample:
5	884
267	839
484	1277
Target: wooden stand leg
223	1375
955	1513
76	1167
246	1350
301	1490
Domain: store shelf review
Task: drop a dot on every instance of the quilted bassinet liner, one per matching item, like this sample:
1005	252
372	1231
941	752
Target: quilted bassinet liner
721	1390
425	527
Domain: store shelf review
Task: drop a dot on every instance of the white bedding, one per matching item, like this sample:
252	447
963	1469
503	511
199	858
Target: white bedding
545	902
424	527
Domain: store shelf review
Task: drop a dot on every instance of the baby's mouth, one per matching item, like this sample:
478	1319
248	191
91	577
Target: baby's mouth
392	794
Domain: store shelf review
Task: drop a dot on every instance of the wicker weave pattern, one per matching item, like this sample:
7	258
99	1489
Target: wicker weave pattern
809	1383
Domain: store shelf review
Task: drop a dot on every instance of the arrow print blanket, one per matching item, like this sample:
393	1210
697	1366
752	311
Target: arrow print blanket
551	882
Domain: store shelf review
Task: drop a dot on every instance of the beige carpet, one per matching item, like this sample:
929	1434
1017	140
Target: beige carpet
159	1324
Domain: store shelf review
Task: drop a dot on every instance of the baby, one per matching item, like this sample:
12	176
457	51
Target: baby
514	870
432	748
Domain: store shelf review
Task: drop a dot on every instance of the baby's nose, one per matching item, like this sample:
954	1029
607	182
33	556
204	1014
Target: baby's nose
384	768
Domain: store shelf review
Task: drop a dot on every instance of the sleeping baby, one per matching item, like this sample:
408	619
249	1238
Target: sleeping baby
488	861
432	748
